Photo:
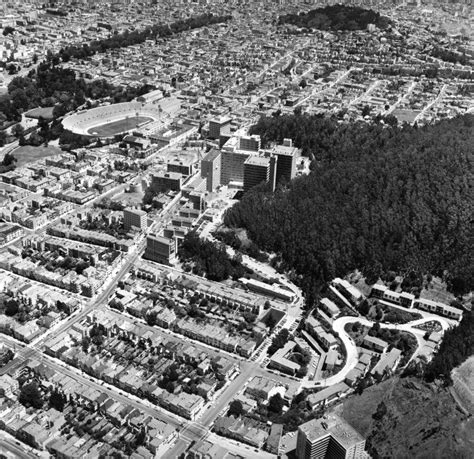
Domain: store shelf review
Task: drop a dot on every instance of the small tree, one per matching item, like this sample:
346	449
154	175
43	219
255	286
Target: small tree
8	30
8	160
11	308
302	371
378	313
11	69
249	317
30	395
381	411
140	438
57	400
18	130
275	404
236	408
85	343
364	307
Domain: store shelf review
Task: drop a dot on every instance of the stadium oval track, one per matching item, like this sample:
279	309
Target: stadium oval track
133	115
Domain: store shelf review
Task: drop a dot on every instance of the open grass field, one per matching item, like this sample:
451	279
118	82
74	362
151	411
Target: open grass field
118	127
405	115
45	112
29	154
129	199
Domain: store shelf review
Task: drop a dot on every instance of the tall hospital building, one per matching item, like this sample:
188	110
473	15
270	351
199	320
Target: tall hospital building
242	163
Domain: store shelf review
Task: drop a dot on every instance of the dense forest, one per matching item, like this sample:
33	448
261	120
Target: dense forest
456	347
336	17
50	85
206	258
378	198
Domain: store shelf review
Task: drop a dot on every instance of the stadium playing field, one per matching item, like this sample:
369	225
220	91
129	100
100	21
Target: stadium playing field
120	126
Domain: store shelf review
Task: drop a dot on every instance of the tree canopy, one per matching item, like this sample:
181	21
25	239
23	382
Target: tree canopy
209	259
57	399
276	403
235	408
278	341
30	395
456	347
378	198
336	17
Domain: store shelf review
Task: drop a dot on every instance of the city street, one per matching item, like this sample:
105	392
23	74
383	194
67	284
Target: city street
58	366
11	448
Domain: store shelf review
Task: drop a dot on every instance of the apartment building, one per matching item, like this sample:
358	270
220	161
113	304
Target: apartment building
329	437
256	171
134	218
249	143
219	126
165	181
211	169
184	166
232	166
439	308
286	155
161	249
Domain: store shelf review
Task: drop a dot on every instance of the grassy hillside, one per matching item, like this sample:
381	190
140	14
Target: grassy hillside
463	384
412	419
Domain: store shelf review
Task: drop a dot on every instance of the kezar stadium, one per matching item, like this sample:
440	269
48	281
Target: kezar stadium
111	120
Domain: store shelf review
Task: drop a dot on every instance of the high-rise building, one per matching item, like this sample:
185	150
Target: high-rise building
219	126
273	171
329	437
161	249
211	169
286	164
249	143
165	181
182	166
256	171
232	166
134	218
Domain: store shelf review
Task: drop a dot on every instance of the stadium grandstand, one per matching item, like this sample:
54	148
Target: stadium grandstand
111	120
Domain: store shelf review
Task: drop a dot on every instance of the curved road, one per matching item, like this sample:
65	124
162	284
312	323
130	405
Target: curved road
351	348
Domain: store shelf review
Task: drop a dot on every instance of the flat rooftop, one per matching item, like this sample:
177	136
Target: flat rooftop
221	120
334	425
287	151
257	161
213	154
